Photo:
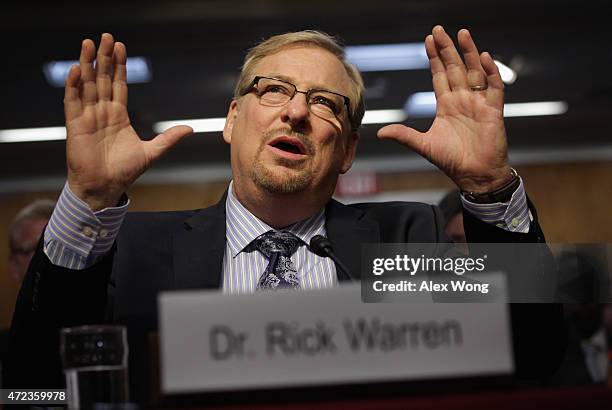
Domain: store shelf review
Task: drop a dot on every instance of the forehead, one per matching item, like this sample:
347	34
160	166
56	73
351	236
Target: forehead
307	66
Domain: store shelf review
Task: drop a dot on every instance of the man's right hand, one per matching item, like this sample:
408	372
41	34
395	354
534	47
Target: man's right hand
104	153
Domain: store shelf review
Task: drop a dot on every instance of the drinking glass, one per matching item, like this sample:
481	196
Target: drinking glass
95	364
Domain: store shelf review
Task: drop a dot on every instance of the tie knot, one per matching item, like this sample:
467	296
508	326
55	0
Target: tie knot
283	242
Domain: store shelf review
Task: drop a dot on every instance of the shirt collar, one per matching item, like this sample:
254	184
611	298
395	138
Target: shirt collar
242	226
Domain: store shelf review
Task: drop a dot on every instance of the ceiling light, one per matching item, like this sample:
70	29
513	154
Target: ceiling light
423	104
507	74
138	71
217	124
33	134
383	116
198	125
387	57
532	109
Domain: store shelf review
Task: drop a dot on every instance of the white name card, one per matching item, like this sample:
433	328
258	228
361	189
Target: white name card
211	341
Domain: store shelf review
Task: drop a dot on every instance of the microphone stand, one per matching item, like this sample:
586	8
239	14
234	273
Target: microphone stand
321	246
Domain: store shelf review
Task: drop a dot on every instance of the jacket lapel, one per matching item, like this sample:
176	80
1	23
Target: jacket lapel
199	248
347	229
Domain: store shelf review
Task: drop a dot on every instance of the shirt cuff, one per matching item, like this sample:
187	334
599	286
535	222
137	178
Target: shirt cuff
76	237
513	216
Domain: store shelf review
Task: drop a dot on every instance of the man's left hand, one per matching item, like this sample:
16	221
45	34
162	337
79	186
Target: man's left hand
467	139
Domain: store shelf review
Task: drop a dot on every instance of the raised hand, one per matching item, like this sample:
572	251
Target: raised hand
104	153
467	139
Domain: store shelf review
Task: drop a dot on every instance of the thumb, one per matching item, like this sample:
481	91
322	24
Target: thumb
407	136
166	140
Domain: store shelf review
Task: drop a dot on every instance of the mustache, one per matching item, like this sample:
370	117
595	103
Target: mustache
304	139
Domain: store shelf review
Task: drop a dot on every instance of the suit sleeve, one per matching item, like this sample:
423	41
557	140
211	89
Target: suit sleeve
52	297
538	330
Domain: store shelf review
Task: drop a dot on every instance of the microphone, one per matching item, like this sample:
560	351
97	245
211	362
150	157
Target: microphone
321	246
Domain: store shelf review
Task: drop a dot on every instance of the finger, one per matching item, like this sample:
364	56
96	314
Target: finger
104	67
88	75
455	70
166	140
438	72
120	89
72	99
404	135
495	92
475	73
492	71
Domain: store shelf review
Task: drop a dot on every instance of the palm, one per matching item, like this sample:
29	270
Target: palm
108	149
459	139
104	153
467	139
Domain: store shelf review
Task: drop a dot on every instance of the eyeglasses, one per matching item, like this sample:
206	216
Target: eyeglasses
273	92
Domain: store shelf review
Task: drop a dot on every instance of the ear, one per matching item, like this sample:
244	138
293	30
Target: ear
229	121
350	152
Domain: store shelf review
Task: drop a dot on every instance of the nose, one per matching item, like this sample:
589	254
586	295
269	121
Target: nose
296	112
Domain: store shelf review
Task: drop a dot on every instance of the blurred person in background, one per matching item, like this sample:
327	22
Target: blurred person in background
452	211
24	233
583	281
589	325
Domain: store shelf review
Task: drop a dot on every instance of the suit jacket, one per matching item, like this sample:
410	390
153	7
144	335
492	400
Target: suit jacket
184	250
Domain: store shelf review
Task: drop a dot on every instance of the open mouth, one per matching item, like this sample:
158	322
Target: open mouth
289	144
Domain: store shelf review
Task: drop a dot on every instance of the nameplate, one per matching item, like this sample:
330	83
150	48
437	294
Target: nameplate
212	342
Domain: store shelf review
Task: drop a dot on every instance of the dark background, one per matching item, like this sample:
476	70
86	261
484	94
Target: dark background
560	50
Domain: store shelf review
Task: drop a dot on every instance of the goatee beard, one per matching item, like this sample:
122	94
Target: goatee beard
283	183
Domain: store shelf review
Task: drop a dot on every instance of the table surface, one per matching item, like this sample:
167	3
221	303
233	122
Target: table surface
590	397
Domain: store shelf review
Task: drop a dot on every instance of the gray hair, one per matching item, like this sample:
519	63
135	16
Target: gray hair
38	209
316	38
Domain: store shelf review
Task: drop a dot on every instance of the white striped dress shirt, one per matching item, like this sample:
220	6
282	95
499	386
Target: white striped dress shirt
241	270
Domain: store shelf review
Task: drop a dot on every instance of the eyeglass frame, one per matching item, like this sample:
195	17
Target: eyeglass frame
253	86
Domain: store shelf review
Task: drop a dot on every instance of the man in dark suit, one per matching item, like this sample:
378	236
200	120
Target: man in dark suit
293	127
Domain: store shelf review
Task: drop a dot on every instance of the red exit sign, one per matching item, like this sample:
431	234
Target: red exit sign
357	184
